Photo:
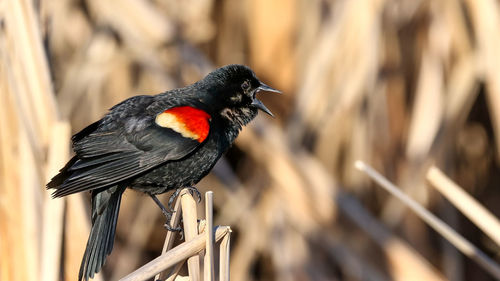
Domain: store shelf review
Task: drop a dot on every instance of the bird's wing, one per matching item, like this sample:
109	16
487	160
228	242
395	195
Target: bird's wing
107	157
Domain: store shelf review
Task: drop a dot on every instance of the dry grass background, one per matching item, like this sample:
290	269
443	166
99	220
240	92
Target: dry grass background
402	85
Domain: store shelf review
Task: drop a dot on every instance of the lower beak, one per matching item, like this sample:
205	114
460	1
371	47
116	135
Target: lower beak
259	105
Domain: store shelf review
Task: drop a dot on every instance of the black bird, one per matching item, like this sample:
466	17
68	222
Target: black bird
155	144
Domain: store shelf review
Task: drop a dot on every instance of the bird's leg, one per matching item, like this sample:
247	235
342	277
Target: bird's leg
176	193
166	213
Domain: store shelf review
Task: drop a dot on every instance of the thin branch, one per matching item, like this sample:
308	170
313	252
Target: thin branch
189	215
469	206
177	254
209	254
170	237
447	232
53	212
224	257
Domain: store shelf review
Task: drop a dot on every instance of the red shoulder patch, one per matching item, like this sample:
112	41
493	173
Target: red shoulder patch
188	121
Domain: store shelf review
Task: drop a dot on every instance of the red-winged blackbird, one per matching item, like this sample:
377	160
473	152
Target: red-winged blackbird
155	144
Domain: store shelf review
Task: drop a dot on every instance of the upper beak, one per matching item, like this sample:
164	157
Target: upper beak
258	104
266	88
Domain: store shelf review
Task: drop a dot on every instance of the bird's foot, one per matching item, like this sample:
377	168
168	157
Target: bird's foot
192	190
167	214
173	229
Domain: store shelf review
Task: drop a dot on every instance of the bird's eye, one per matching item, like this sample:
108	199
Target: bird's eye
245	85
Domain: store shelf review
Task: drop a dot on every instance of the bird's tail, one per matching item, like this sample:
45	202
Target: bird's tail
105	207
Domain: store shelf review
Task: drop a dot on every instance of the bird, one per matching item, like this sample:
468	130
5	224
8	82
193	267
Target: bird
155	144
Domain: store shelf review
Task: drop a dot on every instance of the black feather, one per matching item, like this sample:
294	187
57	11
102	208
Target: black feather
63	174
103	230
86	131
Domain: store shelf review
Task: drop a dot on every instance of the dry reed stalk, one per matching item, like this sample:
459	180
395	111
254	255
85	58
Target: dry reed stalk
469	206
52	236
28	83
25	38
224	251
170	238
208	264
485	17
442	228
428	108
30	194
12	248
189	217
177	254
29	95
28	208
174	223
461	92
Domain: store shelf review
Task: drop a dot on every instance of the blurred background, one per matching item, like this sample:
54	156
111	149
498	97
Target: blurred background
401	85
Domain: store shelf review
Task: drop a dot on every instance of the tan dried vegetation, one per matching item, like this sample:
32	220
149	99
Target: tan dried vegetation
402	85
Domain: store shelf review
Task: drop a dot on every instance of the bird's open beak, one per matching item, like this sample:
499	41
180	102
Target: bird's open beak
258	104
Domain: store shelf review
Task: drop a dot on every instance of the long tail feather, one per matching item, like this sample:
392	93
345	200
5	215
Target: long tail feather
105	207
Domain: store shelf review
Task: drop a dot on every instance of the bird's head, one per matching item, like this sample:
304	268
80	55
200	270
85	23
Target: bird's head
232	91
